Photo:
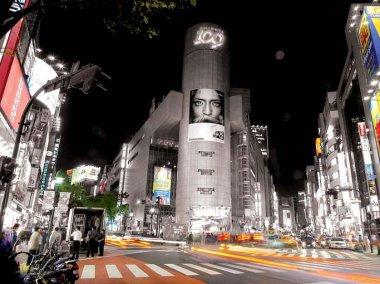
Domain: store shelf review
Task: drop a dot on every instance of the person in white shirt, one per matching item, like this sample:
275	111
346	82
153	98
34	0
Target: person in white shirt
77	237
55	238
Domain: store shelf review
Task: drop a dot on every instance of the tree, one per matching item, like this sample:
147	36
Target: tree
135	16
78	196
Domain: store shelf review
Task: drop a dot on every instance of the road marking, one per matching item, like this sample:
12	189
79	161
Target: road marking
313	255
260	267
243	268
337	255
222	268
181	269
325	254
88	272
200	268
315	265
158	270
290	255
112	271
303	255
136	271
323	282
349	255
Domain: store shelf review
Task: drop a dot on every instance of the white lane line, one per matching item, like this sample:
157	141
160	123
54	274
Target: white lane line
200	268
323	282
314	255
112	271
136	271
88	272
222	268
325	254
337	255
260	267
243	268
302	255
181	269
324	266
349	255
158	270
290	255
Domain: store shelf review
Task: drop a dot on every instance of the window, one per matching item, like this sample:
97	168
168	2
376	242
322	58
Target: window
335	175
204	172
132	158
206	153
242	150
206	190
243	163
137	142
243	176
242	138
333	162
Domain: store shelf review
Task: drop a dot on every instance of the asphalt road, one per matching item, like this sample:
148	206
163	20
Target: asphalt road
160	264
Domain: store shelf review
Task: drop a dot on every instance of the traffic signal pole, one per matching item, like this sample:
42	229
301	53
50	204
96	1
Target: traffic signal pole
75	79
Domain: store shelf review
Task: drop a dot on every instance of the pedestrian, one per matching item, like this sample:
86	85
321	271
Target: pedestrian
55	238
366	243
34	243
77	237
41	240
101	241
14	235
9	269
92	245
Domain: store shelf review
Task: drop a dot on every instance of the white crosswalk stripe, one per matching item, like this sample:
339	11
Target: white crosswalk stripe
136	271
349	255
325	254
181	269
242	268
203	269
158	270
88	271
260	267
337	255
112	271
222	268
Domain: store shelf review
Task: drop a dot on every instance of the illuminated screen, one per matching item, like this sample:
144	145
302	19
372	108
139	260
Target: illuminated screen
375	114
206	115
16	95
369	39
85	173
162	181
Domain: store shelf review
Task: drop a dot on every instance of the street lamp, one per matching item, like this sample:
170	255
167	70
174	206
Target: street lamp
82	78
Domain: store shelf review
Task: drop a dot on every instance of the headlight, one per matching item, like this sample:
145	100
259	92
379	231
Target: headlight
313	243
323	243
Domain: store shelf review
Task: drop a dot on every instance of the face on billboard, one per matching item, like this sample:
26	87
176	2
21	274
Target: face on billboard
206	115
206	106
162	184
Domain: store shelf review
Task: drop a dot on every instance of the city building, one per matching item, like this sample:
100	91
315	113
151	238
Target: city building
286	214
196	157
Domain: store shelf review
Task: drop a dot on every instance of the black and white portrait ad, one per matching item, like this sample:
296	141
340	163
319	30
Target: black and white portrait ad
206	121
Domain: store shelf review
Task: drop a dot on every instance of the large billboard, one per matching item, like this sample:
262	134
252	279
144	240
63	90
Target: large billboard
43	72
15	96
82	173
162	181
374	106
369	38
206	115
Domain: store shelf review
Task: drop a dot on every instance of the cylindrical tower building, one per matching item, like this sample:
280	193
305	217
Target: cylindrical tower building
203	194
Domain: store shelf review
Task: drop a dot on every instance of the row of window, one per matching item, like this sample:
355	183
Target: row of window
132	158
206	153
205	172
206	190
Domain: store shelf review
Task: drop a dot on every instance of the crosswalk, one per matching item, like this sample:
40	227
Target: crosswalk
146	270
312	253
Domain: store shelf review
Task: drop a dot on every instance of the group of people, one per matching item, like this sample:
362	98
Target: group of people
95	240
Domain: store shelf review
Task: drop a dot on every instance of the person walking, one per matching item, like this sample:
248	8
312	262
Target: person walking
366	242
101	241
92	245
34	243
14	235
77	237
55	238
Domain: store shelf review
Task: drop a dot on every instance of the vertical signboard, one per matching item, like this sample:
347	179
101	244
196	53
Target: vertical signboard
206	121
369	39
366	151
162	180
15	96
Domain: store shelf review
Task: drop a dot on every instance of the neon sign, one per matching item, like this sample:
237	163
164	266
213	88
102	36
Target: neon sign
209	36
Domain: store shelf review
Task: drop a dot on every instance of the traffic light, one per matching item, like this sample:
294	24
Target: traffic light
7	166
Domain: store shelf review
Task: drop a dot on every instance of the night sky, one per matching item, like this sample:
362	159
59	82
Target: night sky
286	94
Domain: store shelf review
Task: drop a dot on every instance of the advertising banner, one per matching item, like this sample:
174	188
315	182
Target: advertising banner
366	151
33	178
162	181
48	200
63	203
43	72
16	95
318	147
206	121
369	39
374	106
85	173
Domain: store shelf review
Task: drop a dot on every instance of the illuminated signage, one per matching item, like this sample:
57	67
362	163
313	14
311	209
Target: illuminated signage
210	36
162	181
85	173
374	106
217	212
206	116
366	151
16	95
318	147
369	40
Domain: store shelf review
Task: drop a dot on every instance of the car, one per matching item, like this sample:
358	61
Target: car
323	242
337	243
308	242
